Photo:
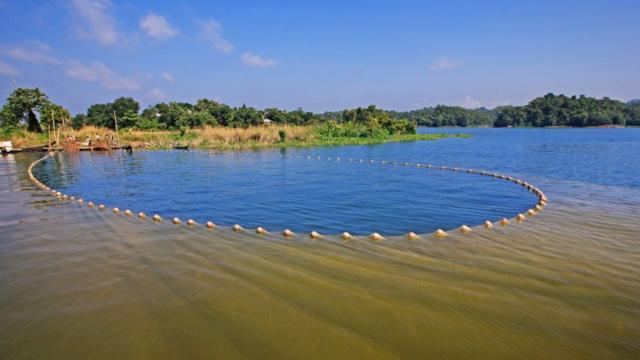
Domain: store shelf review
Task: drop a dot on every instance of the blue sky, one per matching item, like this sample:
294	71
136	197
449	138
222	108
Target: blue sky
324	55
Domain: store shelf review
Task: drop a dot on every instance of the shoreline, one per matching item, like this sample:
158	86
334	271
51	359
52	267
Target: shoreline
218	138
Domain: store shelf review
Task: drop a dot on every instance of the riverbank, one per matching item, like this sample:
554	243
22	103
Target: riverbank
223	138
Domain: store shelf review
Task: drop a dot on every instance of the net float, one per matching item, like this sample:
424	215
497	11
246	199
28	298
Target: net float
413	236
488	225
440	233
346	236
191	222
464	229
376	237
210	225
287	232
260	230
176	221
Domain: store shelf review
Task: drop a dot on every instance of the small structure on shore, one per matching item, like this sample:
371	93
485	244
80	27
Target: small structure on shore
6	146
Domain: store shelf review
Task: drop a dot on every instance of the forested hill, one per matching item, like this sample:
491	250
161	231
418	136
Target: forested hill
560	110
548	110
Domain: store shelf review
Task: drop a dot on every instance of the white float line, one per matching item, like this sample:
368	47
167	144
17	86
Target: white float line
464	229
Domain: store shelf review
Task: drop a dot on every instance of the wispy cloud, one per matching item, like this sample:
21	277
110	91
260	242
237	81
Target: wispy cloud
444	63
98	23
254	60
168	77
98	72
155	94
33	52
157	27
211	32
8	70
471	103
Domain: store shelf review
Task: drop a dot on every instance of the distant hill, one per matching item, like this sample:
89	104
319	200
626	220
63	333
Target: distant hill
634	102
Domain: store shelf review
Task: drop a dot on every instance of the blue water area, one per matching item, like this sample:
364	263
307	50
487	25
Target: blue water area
280	189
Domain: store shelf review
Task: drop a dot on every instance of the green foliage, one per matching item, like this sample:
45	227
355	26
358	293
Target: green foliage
183	131
560	110
443	115
51	113
79	121
282	135
125	109
23	104
368	122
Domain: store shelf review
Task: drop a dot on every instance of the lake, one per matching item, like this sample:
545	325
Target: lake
78	282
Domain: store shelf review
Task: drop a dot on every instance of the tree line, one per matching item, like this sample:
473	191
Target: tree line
560	110
31	108
548	110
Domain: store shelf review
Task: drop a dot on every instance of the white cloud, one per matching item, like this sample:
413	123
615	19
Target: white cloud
99	23
168	77
444	63
33	52
158	27
470	103
8	70
253	60
97	71
155	95
210	31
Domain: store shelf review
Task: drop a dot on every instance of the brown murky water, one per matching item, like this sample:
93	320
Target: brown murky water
80	283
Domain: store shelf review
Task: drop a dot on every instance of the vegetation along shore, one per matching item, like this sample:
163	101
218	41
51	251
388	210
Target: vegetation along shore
29	116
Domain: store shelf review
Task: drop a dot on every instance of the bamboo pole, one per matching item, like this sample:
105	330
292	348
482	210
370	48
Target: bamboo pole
115	119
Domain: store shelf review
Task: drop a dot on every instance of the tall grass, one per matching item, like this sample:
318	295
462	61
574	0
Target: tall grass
218	137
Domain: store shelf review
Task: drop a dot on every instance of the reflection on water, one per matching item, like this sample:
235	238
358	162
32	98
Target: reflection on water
79	283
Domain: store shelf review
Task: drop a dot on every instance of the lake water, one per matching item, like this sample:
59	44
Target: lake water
300	189
78	283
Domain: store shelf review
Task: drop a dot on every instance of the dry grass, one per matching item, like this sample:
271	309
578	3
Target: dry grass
26	139
223	138
256	135
206	137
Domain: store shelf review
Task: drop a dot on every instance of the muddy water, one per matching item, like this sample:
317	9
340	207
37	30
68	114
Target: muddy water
80	283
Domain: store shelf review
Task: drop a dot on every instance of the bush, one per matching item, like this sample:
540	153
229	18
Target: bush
283	135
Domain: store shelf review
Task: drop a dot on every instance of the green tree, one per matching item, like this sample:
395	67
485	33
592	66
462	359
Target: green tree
79	121
125	109
21	107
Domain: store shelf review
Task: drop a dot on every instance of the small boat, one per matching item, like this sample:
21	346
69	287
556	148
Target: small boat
181	147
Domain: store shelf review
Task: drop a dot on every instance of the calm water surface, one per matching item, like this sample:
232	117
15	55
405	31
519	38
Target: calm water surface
79	283
302	190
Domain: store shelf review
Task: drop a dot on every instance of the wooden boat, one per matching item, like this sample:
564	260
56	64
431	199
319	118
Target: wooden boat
181	147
